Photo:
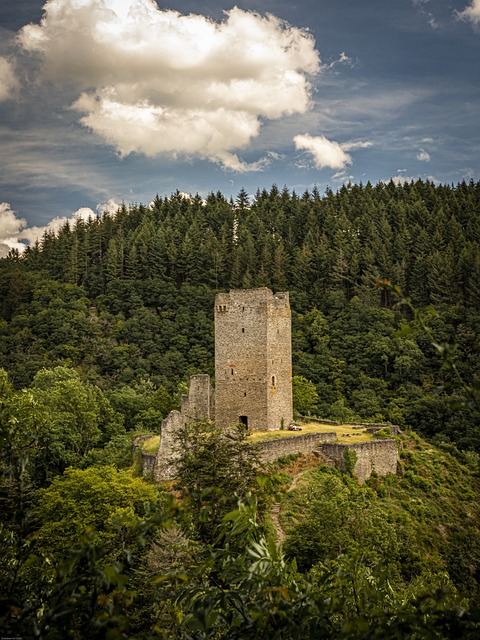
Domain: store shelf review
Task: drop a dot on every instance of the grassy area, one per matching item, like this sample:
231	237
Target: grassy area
345	433
151	445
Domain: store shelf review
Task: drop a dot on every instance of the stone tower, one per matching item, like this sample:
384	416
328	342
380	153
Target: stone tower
253	359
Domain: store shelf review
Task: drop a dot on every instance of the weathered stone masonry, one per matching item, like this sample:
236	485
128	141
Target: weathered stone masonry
199	404
380	456
253	359
271	450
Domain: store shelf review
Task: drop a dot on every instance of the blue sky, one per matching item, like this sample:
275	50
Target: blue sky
104	101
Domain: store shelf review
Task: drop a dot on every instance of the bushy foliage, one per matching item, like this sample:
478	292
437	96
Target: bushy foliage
413	524
102	500
215	468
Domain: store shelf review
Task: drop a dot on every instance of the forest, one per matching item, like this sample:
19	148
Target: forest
101	326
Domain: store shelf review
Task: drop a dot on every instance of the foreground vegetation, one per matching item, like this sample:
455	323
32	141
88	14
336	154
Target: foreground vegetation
101	553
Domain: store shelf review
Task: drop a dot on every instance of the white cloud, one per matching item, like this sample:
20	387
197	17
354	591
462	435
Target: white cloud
325	153
351	146
423	155
471	13
343	58
341	177
111	207
10	227
32	234
9	84
400	180
421	6
154	81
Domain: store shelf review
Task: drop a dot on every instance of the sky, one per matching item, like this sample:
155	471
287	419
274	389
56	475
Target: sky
111	101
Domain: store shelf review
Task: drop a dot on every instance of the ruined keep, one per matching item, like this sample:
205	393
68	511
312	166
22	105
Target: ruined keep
253	359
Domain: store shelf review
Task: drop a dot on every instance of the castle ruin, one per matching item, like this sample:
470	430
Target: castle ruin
253	387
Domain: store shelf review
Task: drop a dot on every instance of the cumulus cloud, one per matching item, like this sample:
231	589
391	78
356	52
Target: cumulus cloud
423	155
110	207
401	180
10	227
471	13
325	153
9	84
154	81
32	234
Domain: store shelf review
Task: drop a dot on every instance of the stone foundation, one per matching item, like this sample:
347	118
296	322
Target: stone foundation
271	450
380	456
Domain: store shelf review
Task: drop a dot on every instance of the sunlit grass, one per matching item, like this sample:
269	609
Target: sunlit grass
151	445
345	433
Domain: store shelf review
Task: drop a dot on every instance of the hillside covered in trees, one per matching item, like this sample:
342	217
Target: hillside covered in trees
127	300
100	328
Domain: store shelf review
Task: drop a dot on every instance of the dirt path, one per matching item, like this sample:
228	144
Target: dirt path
275	510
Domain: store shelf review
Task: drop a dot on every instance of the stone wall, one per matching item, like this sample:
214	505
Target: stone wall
370	427
271	450
394	429
199	404
279	361
167	456
149	464
380	456
139	440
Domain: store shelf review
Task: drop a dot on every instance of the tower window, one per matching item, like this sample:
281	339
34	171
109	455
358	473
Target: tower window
231	371
273	381
243	329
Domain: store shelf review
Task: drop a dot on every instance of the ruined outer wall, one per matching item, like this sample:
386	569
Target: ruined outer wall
253	358
200	403
167	456
148	461
271	450
380	456
149	464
